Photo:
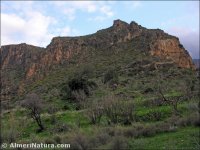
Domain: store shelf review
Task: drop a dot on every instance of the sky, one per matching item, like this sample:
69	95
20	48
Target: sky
37	22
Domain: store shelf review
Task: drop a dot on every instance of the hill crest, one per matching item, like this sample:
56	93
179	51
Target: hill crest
33	63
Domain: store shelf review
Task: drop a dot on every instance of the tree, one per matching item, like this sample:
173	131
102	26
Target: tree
178	88
33	104
173	101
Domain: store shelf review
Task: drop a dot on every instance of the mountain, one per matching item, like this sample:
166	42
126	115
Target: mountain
23	64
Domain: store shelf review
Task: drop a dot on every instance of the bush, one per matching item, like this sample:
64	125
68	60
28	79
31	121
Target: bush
130	133
151	115
57	139
95	112
80	98
192	119
77	90
60	127
85	72
118	111
165	127
153	102
155	115
110	75
52	110
148	90
103	138
109	131
49	141
77	84
9	136
119	143
79	142
149	131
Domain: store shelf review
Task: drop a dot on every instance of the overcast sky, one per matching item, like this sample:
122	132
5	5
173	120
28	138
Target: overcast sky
37	22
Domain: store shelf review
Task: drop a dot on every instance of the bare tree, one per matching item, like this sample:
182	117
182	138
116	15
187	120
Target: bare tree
173	101
33	104
163	87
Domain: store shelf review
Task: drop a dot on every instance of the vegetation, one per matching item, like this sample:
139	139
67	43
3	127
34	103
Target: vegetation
34	106
90	104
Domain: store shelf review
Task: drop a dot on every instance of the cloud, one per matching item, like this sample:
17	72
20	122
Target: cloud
70	13
33	23
70	8
189	38
33	29
106	14
107	11
67	31
133	4
87	6
136	4
26	23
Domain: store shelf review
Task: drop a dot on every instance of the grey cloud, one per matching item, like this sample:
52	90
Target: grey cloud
189	39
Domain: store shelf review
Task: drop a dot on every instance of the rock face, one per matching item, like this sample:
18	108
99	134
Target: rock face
172	49
32	63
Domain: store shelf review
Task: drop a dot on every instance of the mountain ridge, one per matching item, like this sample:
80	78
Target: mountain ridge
33	63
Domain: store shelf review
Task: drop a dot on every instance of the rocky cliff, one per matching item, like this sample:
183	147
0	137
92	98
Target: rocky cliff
24	63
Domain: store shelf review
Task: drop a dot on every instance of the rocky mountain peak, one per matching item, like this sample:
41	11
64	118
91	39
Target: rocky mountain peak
119	23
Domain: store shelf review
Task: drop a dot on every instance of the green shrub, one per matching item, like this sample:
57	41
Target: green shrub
60	127
9	136
77	84
192	119
119	143
152	115
118	111
85	72
49	141
79	142
103	138
110	75
149	131
57	139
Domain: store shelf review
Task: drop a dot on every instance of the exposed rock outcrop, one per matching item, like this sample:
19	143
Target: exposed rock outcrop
172	49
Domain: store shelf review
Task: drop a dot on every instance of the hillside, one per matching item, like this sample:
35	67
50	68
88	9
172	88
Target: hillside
23	64
102	90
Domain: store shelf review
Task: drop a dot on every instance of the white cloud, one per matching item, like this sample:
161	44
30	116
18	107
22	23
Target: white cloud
33	30
107	11
133	4
30	25
97	18
136	4
70	13
67	31
88	6
70	8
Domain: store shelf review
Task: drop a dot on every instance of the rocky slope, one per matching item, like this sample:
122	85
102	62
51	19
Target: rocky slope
23	64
